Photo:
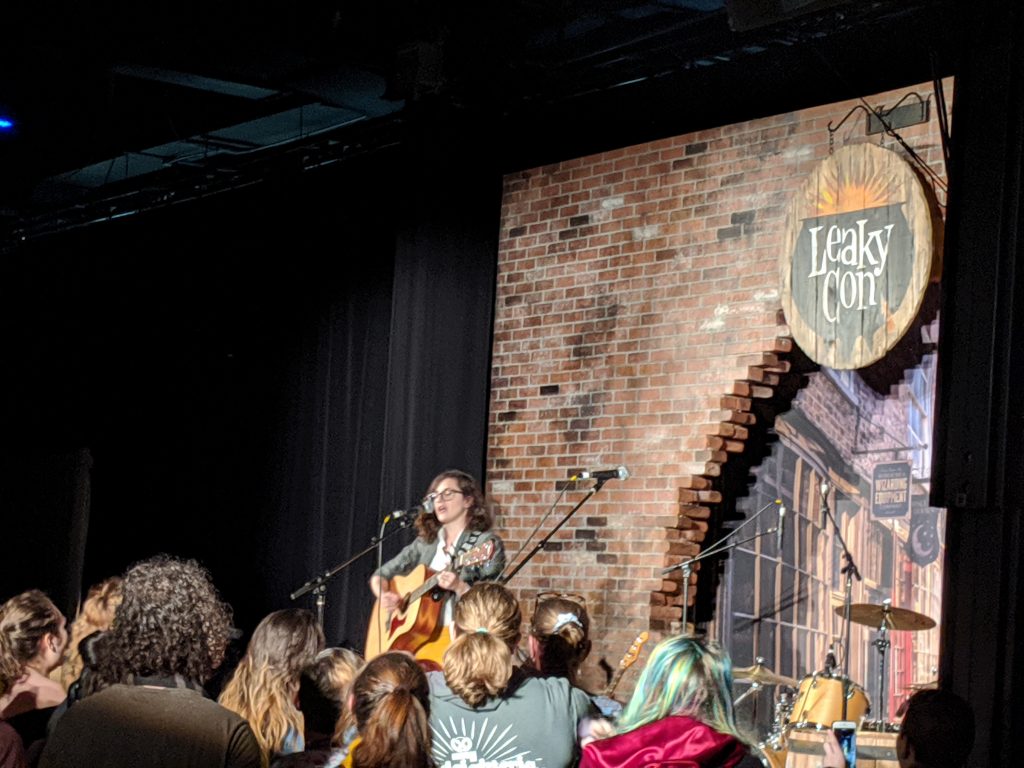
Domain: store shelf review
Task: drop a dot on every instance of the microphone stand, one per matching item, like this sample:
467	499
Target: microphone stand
851	572
318	584
722	545
506	578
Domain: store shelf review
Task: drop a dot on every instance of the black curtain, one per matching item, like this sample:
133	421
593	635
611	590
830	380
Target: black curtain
979	435
256	377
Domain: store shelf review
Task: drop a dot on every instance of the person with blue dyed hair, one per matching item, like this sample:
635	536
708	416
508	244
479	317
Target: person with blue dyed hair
681	713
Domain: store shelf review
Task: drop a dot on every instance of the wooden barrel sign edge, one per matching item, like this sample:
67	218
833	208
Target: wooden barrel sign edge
903	189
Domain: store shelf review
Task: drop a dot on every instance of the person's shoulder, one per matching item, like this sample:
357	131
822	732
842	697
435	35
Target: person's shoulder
438	687
557	689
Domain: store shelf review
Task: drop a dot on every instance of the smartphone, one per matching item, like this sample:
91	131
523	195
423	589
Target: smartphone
846	735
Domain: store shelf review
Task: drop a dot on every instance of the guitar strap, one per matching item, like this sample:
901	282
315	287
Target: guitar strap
469	543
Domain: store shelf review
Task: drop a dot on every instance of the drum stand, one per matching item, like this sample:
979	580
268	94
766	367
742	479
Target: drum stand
882	644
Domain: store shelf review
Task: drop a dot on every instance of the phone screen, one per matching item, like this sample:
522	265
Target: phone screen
846	735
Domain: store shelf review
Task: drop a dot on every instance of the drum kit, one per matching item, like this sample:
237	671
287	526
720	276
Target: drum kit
811	705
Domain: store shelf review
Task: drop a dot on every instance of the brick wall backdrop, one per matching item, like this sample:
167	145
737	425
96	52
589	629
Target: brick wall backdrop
637	318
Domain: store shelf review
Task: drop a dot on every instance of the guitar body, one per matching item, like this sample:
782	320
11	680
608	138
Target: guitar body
416	627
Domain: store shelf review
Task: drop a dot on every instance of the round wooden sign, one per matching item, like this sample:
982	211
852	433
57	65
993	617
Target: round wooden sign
856	257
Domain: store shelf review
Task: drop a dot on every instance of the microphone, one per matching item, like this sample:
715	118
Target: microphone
830	659
780	528
823	489
619	473
427	505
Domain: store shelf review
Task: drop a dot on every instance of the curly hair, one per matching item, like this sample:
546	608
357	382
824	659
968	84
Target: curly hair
479	517
562	629
96	614
171	621
25	619
478	663
392	709
265	684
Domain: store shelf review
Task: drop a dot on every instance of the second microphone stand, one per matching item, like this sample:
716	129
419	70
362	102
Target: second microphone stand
543	542
850	572
722	545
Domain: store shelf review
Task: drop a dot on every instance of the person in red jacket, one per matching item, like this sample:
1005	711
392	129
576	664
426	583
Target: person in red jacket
681	713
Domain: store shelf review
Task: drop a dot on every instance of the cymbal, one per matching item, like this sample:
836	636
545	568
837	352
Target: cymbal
759	673
872	615
923	686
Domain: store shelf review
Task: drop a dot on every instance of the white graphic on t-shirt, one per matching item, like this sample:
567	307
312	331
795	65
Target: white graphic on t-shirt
459	745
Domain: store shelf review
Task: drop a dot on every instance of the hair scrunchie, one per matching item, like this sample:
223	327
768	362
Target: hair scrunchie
563	619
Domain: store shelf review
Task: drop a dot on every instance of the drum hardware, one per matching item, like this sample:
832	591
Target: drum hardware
885	618
773	750
760	675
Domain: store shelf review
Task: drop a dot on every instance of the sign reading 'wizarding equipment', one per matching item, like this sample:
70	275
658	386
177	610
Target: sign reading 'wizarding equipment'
857	256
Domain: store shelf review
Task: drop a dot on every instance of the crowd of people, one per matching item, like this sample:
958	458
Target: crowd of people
125	686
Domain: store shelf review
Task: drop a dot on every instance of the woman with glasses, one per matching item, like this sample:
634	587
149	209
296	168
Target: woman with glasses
680	714
453	526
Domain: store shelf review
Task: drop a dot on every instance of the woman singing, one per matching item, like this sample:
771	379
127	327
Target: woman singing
453	523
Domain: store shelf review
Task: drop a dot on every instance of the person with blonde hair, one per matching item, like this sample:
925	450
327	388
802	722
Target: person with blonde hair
391	702
33	635
680	713
485	711
95	615
264	686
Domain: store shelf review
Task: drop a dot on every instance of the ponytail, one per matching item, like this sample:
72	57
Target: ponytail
392	705
478	664
562	629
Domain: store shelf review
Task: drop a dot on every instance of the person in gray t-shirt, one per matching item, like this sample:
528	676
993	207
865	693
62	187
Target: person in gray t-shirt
484	712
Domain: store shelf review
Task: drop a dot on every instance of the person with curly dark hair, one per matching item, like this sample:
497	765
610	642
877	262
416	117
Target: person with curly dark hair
454	520
169	635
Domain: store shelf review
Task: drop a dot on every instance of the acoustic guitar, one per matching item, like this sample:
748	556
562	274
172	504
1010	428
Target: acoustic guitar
415	625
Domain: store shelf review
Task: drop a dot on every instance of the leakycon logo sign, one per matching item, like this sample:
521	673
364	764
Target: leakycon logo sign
857	256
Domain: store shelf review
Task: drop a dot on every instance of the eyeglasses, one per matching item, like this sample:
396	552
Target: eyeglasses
445	495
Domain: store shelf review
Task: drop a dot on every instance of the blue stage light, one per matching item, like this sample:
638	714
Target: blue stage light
6	123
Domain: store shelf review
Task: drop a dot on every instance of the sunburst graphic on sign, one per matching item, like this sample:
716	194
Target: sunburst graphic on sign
458	744
841	193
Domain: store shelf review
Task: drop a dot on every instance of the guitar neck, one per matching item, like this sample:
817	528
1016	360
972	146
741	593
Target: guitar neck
422	589
614	683
627	661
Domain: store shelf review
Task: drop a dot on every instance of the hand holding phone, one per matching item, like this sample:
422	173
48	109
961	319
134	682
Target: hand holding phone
846	735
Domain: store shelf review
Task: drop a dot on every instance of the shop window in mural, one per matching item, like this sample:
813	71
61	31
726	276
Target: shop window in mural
862	459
